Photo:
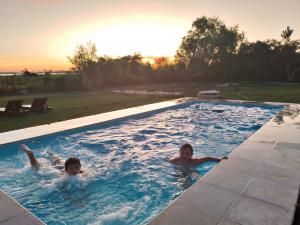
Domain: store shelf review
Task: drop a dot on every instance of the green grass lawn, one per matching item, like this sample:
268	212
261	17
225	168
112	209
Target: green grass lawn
72	105
263	92
247	91
78	104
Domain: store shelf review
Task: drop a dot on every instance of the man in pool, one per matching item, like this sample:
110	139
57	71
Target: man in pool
186	154
72	166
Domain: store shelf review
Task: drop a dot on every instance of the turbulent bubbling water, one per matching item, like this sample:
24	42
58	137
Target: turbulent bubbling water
128	179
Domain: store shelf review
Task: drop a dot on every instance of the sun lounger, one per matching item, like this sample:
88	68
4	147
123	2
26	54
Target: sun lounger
13	107
38	105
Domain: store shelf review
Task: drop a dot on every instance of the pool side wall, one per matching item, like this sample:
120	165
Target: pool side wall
12	213
258	184
259	174
79	123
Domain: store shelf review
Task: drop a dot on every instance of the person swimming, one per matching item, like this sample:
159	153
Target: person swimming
186	154
71	166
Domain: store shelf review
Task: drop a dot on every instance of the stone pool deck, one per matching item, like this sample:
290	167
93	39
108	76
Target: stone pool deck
12	213
257	185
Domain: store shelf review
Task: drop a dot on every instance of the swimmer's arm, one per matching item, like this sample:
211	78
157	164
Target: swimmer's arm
83	173
209	159
175	160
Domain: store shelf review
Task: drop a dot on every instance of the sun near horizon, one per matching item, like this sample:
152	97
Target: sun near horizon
150	36
39	35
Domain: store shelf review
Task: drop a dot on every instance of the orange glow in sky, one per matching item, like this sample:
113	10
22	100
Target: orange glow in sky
14	64
40	34
151	36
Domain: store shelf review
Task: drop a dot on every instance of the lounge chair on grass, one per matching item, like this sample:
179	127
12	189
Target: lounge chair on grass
38	105
13	107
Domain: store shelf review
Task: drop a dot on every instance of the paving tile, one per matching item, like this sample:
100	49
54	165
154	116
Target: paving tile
280	133
179	213
249	211
288	117
25	218
284	176
9	208
291	150
228	222
242	166
254	151
226	179
262	139
251	145
283	144
273	193
210	199
284	160
287	122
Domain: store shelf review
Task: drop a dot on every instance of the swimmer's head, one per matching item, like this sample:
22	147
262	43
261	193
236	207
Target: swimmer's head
186	152
72	166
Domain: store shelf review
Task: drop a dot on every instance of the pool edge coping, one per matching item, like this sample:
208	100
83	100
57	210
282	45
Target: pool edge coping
20	215
15	136
174	212
60	126
110	116
8	137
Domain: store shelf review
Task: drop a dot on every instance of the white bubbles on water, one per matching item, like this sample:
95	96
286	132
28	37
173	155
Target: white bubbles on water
125	163
114	215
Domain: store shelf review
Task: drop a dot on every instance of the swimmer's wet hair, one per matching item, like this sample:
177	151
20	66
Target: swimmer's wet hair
186	146
72	161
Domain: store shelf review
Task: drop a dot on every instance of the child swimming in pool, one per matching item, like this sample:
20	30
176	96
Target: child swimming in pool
72	166
186	154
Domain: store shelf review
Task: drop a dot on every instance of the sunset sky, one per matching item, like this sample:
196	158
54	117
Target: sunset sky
40	34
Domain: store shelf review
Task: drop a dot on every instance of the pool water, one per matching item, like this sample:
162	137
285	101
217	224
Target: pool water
128	179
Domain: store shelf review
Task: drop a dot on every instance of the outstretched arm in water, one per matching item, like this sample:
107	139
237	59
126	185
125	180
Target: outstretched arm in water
33	161
209	159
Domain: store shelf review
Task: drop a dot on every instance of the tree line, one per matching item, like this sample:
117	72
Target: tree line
211	51
101	71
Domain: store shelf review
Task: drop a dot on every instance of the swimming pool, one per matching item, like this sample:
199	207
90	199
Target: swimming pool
129	179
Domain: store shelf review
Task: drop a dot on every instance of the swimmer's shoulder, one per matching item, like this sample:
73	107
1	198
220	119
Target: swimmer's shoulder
174	160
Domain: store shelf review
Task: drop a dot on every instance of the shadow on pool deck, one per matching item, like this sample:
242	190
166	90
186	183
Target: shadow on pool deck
297	214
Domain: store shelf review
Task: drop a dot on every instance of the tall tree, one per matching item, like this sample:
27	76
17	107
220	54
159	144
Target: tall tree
85	62
290	54
83	56
286	34
208	43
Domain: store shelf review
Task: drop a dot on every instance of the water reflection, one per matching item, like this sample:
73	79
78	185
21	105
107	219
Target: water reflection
185	176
